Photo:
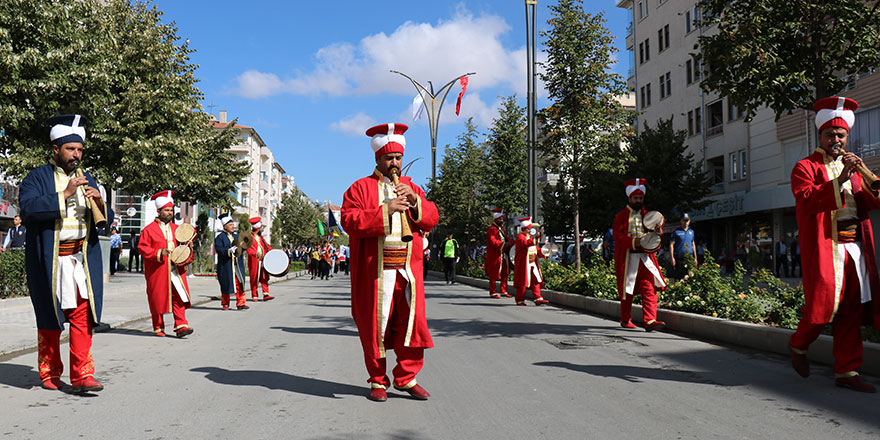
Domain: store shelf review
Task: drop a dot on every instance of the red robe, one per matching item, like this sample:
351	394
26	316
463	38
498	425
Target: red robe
367	222
623	244
255	264
494	243
157	269
816	200
521	275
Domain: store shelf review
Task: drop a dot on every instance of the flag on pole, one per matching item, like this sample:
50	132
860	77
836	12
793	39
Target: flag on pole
463	81
320	228
331	220
418	107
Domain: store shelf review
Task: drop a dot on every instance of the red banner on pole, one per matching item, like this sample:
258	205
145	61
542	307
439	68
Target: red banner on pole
463	81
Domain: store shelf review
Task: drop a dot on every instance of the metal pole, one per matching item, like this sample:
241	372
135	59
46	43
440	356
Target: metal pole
531	54
534	182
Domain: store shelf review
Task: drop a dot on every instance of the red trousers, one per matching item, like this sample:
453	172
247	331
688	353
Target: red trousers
259	281
645	287
239	295
535	287
49	341
846	326
178	309
505	272
409	359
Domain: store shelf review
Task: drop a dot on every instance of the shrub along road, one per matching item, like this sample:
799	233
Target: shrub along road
292	368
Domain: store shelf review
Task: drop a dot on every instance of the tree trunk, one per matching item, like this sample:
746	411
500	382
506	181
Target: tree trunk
577	223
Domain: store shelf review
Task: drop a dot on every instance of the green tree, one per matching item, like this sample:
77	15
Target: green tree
506	172
117	63
786	55
585	121
297	218
459	187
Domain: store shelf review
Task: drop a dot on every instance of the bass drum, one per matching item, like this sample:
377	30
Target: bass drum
276	262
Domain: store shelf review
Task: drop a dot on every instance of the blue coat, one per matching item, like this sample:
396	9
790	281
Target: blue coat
41	207
225	263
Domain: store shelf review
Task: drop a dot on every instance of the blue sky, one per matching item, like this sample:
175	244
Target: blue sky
311	77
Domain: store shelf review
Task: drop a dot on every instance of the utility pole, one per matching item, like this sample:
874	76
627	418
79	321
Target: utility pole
531	55
433	107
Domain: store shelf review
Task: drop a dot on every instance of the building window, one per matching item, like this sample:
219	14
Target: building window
643	10
689	72
641	53
668	84
647	50
734	113
666	36
642	91
698	70
742	164
688	24
715	167
698	121
659	40
648	91
716	118
662	86
691	123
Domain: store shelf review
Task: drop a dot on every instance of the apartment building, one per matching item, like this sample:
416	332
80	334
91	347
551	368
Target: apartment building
750	162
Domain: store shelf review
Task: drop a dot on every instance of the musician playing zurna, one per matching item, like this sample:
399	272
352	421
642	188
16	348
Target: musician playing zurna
63	256
387	289
497	244
230	267
837	246
526	269
167	290
259	278
638	272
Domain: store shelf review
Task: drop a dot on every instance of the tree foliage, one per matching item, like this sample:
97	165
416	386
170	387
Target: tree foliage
585	120
506	174
117	63
786	55
297	221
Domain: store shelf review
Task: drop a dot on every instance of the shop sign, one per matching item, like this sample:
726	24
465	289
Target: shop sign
725	207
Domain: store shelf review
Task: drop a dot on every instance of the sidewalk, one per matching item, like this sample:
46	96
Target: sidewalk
125	300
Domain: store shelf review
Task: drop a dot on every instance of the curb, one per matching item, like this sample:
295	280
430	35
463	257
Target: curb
743	334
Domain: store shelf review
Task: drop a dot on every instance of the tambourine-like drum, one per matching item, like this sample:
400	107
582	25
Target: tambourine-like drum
184	233
650	242
512	253
652	219
276	262
181	254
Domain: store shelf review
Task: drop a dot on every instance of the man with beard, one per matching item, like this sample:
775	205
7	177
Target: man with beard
230	268
63	256
259	278
496	264
166	281
836	240
638	272
387	288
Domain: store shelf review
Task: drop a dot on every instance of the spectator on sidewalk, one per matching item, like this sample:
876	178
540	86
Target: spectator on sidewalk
682	245
795	250
115	249
781	258
450	255
16	237
133	253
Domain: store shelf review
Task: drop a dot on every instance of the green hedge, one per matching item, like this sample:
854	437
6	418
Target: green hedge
296	266
13	281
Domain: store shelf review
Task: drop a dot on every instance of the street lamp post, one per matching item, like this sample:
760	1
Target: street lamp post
433	107
531	54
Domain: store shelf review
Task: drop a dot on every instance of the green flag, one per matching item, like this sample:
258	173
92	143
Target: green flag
320	228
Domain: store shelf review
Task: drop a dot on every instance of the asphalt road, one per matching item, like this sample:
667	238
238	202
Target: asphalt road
292	368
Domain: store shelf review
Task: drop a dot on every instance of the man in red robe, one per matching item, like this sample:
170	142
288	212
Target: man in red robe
496	265
167	290
387	288
526	273
256	272
837	246
638	272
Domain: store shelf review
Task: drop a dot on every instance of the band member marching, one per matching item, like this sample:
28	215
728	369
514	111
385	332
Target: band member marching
167	289
638	272
526	273
259	278
63	257
385	218
497	244
837	245
230	268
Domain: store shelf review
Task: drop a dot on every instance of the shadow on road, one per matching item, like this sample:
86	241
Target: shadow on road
317	331
274	380
636	374
19	376
402	434
131	332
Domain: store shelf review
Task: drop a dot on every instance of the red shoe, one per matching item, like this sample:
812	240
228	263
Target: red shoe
540	300
656	325
268	297
855	383
86	385
225	307
243	307
255	299
800	363
378	395
520	303
416	391
628	324
494	296
160	333
184	331
506	295
53	383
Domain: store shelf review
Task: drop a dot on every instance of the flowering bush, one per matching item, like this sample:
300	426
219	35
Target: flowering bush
596	278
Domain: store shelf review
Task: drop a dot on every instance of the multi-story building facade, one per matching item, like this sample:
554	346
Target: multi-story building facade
750	162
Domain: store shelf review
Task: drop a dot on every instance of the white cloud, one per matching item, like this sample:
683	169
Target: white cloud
436	52
354	125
